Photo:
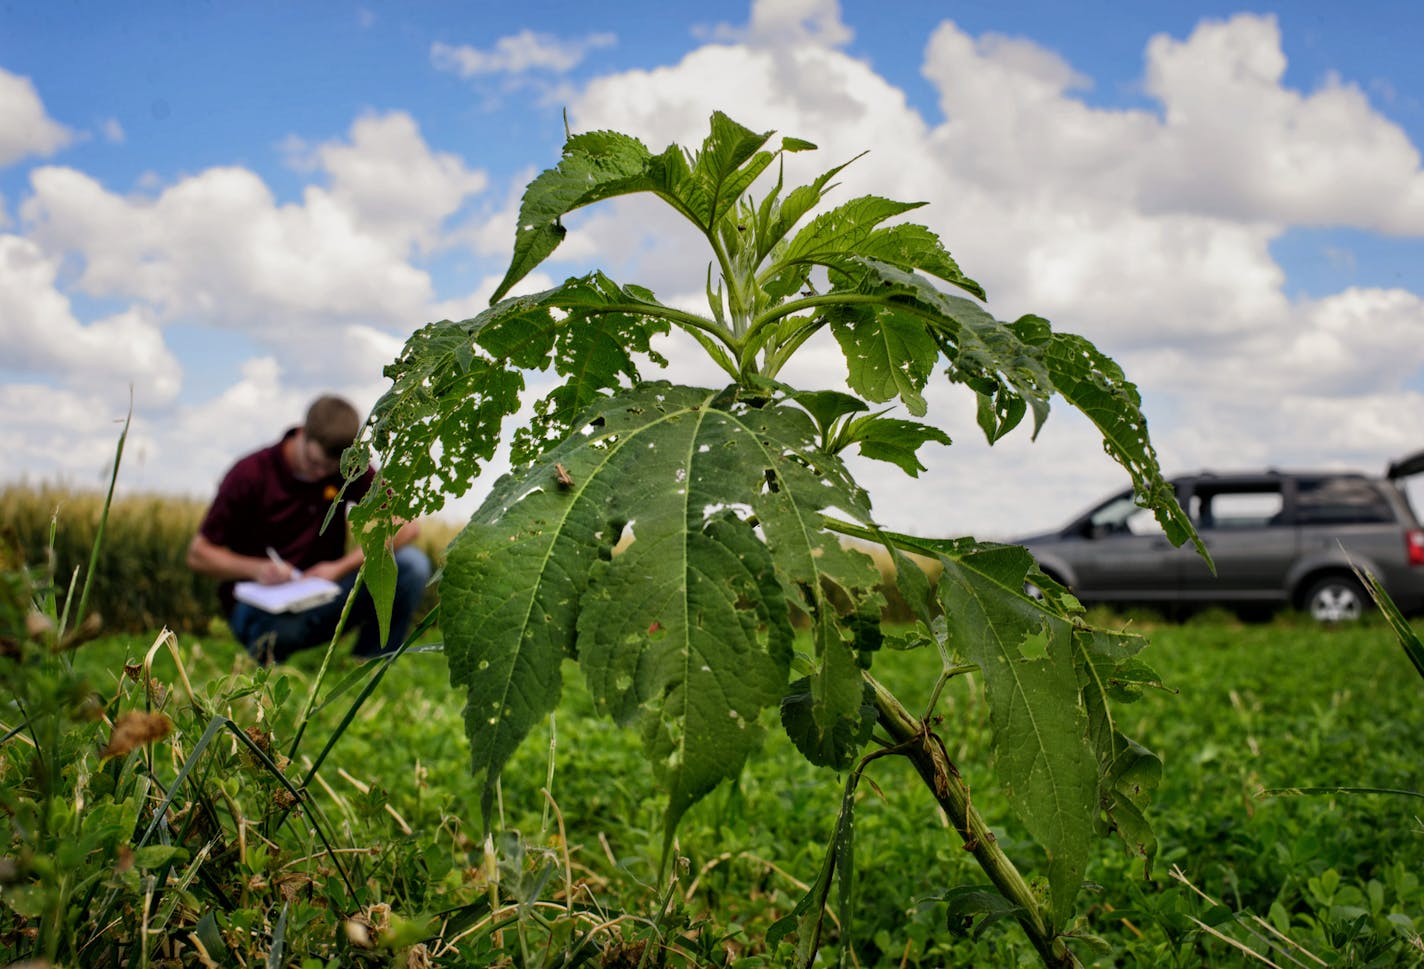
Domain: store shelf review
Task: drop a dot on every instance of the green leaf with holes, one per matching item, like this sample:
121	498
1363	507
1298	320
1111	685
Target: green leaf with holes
893	440
1041	747
687	632
455	385
704	185
1092	382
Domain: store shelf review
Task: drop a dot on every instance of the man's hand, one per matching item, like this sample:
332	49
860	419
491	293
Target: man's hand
275	573
328	570
225	565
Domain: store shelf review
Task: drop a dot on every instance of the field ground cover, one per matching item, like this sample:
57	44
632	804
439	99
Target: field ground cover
1248	708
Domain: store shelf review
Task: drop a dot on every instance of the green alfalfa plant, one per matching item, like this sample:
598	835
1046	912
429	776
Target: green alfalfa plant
1358	941
732	505
1413	648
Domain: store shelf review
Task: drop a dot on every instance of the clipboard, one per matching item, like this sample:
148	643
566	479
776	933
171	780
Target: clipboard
297	595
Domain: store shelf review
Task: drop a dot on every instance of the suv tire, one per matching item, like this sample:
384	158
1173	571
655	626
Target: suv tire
1335	598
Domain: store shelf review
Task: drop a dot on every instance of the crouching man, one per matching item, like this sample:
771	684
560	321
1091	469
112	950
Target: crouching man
265	525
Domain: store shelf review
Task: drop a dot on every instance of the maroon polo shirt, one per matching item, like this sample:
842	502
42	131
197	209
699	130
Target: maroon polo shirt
261	504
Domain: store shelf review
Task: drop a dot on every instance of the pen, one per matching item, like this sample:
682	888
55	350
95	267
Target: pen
272	554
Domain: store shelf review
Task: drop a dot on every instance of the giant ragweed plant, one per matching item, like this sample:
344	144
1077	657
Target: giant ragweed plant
729	508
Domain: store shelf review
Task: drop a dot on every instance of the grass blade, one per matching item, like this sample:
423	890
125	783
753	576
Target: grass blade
161	812
1403	631
276	956
103	517
336	634
366	691
1308	791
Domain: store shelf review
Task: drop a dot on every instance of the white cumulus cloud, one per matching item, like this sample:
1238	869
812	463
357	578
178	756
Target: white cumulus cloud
788	24
42	335
322	291
395	186
25	128
67	436
1235	141
217	247
523	53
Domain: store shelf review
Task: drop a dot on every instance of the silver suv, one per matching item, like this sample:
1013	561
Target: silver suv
1277	538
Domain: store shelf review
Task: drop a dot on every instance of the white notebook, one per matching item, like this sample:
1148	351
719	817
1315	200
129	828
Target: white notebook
294	596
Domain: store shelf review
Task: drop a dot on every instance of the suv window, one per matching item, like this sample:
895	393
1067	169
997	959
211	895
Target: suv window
1247	507
1124	516
1340	501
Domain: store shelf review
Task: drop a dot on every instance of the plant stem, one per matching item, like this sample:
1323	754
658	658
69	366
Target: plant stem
926	751
736	286
792	307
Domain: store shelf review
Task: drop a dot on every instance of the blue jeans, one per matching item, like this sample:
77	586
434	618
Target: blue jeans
272	637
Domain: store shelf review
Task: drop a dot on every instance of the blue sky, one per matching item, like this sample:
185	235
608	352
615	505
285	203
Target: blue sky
232	207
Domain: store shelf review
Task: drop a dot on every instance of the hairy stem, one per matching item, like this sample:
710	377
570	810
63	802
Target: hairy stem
926	751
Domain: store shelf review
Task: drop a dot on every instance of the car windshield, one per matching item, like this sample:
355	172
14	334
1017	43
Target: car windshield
1123	516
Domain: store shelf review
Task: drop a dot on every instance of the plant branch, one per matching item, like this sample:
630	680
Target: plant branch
926	751
789	344
736	292
792	307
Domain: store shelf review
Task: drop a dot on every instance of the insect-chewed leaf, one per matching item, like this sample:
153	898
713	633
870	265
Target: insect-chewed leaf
911	246
1041	747
889	353
843	230
730	160
1127	772
896	441
596	165
821	571
508	605
1125	792
606	328
688	634
531	579
1093	383
440	420
1001	362
828	741
456	383
601	165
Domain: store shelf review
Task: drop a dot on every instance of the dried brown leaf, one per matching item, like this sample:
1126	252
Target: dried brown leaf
134	728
